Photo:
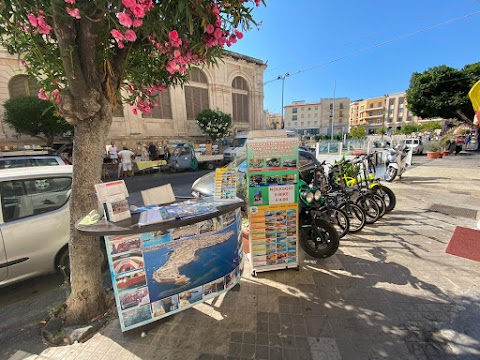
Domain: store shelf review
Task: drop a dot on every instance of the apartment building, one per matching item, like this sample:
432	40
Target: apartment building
389	111
274	121
329	115
234	86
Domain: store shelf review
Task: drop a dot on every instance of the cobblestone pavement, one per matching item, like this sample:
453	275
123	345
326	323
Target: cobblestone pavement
390	292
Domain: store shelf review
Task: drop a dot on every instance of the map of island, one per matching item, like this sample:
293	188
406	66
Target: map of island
184	254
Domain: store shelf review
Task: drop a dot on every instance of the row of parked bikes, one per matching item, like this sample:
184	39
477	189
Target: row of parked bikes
338	199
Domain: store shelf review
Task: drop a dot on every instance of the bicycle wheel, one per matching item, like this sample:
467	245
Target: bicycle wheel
356	216
369	205
381	203
337	218
387	195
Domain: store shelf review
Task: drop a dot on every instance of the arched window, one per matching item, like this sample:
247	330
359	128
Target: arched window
164	108
196	93
22	85
240	99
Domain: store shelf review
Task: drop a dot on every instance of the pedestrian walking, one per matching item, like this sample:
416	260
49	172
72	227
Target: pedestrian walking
468	138
126	157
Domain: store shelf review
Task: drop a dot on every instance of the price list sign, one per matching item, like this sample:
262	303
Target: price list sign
272	179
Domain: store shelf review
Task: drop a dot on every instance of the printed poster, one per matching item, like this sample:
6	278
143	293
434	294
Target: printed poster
272	176
157	274
225	184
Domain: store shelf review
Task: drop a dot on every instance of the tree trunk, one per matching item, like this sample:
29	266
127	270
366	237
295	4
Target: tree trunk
87	298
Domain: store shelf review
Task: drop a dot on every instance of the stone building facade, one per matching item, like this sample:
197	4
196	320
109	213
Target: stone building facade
234	86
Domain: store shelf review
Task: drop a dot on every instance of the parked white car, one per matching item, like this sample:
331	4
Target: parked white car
34	221
415	144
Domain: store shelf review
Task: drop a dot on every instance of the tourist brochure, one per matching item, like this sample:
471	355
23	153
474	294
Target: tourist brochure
113	196
181	210
225	184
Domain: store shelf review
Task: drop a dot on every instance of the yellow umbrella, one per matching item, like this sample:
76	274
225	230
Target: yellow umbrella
474	95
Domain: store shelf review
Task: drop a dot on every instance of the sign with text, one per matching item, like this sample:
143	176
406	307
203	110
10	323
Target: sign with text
272	178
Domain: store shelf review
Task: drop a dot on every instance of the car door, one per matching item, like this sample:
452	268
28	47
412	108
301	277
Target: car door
3	261
35	224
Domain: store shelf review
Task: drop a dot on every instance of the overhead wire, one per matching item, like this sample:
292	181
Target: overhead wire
400	37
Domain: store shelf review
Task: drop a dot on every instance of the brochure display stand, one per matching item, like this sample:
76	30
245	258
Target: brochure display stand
272	177
166	267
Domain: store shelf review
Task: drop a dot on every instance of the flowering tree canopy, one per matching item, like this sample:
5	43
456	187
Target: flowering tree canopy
216	124
139	46
90	55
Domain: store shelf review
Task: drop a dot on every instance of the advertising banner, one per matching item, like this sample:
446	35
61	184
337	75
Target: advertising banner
157	274
272	176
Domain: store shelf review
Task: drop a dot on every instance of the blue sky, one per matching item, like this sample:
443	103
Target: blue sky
342	42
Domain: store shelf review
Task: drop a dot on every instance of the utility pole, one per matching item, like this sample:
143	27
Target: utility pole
283	86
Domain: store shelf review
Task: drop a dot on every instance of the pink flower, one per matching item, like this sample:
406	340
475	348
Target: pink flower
117	34
218	33
128	3
215	10
134	111
55	92
257	2
172	67
32	19
177	43
177	53
233	38
42	94
137	22
58	99
138	10
21	62
44	30
43	27
218	23
120	45
125	19
70	1
130	35
209	29
239	35
73	12
173	35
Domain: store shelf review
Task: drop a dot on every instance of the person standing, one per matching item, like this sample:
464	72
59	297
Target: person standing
113	153
126	157
152	149
161	152
467	140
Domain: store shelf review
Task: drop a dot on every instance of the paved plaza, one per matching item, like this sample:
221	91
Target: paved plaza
390	292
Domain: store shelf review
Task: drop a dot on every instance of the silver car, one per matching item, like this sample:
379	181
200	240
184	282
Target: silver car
205	185
10	162
34	221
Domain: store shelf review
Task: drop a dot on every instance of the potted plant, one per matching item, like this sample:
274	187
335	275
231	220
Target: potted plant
446	143
434	150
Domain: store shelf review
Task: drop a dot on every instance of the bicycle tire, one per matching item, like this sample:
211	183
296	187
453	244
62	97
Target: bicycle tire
337	218
388	196
370	206
319	239
356	216
381	203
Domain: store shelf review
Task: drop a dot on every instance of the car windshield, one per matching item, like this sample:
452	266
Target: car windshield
238	142
239	164
180	150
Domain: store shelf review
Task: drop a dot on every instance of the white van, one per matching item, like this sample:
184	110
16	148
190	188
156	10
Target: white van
237	147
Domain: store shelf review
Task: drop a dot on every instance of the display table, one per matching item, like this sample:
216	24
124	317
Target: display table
160	269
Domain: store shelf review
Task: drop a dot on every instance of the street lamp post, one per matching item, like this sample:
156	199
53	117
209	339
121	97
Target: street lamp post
283	86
